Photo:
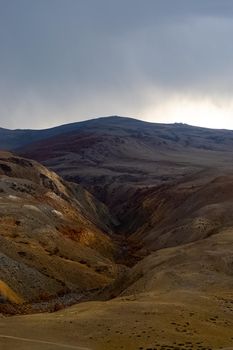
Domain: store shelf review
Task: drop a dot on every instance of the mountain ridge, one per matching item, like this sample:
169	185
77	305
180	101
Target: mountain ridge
10	139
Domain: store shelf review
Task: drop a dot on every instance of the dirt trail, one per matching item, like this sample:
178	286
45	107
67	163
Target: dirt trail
41	342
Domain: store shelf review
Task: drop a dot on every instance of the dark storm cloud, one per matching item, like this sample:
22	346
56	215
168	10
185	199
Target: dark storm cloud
65	60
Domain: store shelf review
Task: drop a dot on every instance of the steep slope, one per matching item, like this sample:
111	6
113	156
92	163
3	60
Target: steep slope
7	294
55	237
182	212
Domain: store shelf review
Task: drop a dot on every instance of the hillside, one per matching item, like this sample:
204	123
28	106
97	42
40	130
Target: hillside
144	172
157	255
55	237
175	299
12	139
107	153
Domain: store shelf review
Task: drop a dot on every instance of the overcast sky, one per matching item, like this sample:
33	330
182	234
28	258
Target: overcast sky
158	60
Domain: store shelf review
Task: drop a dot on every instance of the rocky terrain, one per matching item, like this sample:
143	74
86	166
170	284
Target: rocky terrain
55	237
150	247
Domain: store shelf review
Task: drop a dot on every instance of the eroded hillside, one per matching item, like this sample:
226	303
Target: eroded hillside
55	237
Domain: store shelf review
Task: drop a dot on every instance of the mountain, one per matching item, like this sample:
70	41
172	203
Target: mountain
132	166
139	222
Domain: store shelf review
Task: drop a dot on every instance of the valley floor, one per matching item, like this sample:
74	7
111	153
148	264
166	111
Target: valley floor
173	320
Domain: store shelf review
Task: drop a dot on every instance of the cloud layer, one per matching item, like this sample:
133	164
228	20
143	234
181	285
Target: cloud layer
160	60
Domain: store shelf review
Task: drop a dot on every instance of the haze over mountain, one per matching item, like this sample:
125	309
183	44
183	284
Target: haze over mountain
154	237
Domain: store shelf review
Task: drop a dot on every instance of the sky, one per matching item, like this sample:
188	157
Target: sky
167	61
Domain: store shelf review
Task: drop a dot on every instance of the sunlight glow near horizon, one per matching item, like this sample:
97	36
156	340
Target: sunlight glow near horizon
156	107
203	113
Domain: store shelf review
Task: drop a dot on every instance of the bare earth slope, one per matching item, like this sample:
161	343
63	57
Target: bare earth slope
55	237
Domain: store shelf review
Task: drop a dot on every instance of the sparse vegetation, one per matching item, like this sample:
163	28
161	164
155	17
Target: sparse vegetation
158	272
